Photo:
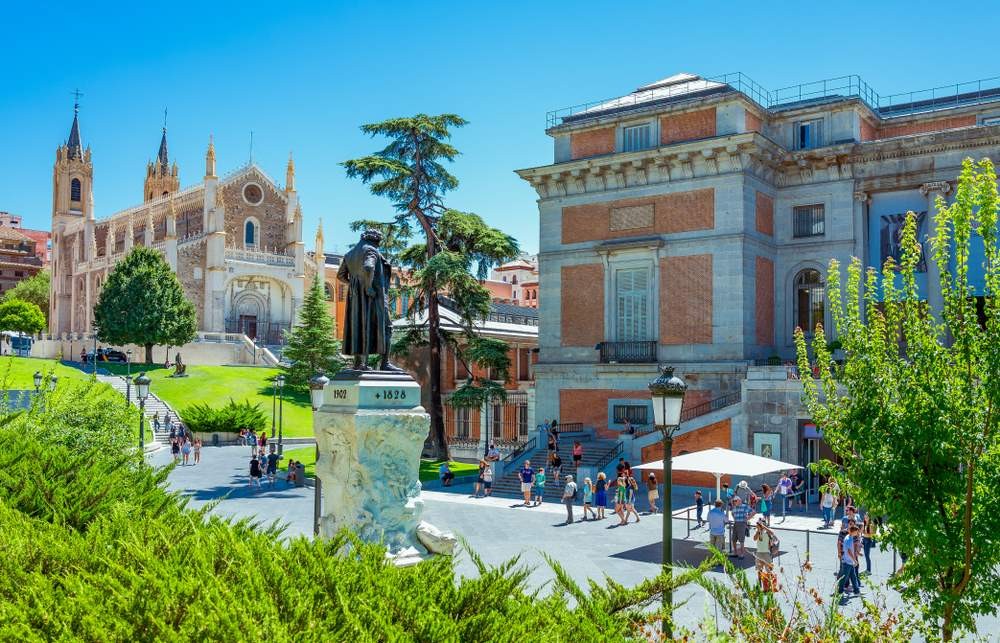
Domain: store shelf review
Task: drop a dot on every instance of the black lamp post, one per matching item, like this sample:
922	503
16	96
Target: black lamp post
274	405
317	384
667	392
128	377
52	382
280	381
141	391
38	380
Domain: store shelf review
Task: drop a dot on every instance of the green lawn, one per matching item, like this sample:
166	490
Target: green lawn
215	385
19	372
428	468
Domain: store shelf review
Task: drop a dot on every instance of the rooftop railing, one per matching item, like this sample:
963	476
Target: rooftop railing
851	86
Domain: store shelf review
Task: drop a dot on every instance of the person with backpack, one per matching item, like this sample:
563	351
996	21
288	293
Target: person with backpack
569	498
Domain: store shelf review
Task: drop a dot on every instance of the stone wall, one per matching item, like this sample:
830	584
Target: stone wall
191	273
270	215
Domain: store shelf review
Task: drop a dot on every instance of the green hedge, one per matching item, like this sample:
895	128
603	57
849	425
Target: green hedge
95	549
231	418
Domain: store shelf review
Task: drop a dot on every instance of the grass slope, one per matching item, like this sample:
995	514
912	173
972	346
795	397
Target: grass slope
19	372
428	468
215	385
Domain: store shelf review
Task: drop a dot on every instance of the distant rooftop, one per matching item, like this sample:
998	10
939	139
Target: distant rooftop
685	86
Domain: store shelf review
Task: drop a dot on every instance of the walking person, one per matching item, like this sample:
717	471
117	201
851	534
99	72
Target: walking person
527	475
799	488
849	563
577	455
197	450
741	513
767	544
252	441
601	494
632	489
699	505
487	481
262	440
569	497
555	465
717	527
272	466
827	503
479	480
539	486
766	502
727	496
175	449
186	451
784	489
652	492
254	472
867	541
588	499
621	496
156	422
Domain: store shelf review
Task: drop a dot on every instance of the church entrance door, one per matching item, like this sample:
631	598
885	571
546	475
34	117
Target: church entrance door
248	325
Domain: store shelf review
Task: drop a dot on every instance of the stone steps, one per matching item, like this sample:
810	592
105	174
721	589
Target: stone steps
593	450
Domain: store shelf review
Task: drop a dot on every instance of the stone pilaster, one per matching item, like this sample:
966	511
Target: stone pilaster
935	299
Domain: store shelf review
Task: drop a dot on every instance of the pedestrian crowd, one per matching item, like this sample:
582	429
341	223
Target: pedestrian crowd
264	461
184	447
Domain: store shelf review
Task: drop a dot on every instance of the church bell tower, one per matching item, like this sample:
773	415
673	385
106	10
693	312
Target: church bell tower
161	177
72	177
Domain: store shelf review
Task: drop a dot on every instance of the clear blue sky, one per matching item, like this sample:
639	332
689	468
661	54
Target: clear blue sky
303	76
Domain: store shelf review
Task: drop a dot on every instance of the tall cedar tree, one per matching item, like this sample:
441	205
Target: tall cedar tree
142	302
468	249
34	289
913	412
409	171
312	345
21	316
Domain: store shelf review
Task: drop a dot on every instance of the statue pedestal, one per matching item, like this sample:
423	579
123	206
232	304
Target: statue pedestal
370	432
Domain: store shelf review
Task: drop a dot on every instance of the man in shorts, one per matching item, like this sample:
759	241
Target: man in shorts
272	466
527	476
741	513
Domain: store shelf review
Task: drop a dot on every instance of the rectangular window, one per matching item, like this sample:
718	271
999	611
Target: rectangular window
637	137
637	414
523	364
463	422
632	304
808	134
18	273
808	221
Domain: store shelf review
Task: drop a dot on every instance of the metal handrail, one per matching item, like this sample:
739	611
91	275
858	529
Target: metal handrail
527	446
712	405
612	453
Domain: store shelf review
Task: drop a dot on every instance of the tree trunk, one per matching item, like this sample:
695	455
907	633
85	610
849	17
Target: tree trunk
437	408
946	625
149	353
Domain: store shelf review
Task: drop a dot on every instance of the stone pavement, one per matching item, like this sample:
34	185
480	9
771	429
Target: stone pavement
498	529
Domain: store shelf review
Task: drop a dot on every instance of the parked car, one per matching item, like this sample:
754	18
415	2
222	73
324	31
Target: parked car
107	355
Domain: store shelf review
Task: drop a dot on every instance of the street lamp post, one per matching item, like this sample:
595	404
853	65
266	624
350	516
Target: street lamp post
667	392
38	381
95	352
317	384
128	377
141	391
52	382
274	405
281	416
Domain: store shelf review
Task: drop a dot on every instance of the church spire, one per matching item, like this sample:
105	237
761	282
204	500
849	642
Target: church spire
210	159
161	155
319	256
290	175
73	144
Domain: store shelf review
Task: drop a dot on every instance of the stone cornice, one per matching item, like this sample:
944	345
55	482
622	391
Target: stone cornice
749	153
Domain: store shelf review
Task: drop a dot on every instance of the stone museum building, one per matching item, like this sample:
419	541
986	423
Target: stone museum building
691	222
235	242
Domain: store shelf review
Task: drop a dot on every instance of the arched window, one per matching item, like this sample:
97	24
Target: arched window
74	190
513	279
810	302
250	233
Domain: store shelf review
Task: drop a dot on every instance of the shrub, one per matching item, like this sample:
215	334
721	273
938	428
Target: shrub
95	549
231	418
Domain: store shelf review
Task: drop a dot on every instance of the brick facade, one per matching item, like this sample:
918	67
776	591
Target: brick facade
920	127
687	126
590	406
869	131
752	122
686	299
764	213
582	305
592	143
764	307
713	435
676	212
270	215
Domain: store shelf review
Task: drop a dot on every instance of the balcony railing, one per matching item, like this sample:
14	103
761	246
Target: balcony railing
633	352
712	405
270	258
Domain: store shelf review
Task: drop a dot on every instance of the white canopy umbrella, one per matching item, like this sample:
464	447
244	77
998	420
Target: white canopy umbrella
719	461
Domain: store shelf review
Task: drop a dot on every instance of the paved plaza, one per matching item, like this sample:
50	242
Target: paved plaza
498	529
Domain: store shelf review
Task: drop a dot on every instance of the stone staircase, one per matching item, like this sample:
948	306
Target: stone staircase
153	403
509	485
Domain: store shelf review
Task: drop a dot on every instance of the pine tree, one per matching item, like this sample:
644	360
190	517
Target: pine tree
312	346
142	302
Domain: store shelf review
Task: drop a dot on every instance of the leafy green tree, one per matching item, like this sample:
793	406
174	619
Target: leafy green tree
21	316
913	413
34	289
142	302
410	172
312	345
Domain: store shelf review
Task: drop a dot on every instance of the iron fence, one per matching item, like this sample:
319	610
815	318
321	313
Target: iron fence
631	352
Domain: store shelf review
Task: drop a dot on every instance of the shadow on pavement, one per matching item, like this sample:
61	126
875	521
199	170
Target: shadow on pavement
685	552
